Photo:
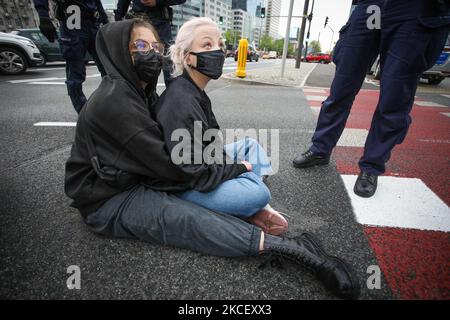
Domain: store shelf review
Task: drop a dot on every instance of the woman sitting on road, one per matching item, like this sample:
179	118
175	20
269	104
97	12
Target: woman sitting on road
231	181
122	180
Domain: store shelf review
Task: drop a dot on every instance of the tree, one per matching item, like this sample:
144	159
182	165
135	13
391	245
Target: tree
232	38
315	46
266	43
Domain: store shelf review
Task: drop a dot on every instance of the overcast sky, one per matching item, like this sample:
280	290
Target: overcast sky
337	11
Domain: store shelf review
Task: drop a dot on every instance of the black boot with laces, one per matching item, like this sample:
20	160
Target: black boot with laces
306	251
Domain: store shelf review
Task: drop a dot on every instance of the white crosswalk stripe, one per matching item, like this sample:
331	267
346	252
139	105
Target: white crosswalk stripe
400	203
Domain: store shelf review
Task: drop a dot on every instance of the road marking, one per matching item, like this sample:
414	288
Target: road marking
429	104
316	98
55	124
311	90
307	75
48	83
434	141
446	95
446	114
353	138
372	82
35	79
400	203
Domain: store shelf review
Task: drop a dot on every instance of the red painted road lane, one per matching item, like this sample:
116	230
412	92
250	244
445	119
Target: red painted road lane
415	263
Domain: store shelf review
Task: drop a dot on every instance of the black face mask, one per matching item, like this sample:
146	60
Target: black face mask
148	66
210	63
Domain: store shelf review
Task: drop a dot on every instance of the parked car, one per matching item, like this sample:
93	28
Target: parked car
272	55
50	51
318	57
17	54
434	75
251	54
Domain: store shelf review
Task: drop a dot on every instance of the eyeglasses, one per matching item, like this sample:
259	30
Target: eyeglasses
144	47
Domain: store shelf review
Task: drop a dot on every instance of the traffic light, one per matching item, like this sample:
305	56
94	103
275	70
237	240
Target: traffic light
263	12
221	20
326	22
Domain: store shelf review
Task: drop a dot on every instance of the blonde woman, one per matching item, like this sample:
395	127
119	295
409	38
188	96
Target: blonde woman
231	184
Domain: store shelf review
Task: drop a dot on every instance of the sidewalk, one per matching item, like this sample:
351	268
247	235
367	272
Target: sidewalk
272	75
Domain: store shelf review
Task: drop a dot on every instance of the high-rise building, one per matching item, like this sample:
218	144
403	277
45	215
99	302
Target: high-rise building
186	11
243	23
273	11
216	9
239	4
17	14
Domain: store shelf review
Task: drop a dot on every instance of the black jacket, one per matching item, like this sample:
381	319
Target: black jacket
126	139
179	107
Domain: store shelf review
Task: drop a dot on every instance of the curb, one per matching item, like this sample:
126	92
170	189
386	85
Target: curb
254	82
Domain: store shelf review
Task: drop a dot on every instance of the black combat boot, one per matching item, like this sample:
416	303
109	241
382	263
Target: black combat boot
305	250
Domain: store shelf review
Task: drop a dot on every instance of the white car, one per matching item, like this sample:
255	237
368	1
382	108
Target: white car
17	54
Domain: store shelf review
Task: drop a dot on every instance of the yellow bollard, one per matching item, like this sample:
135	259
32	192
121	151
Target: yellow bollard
242	58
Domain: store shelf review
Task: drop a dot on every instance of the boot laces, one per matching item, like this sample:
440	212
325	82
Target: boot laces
277	256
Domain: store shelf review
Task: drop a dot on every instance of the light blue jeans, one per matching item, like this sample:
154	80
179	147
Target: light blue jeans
244	195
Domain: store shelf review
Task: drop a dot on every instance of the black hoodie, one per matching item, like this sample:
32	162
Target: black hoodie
125	137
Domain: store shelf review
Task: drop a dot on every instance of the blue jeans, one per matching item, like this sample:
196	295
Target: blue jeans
242	196
162	218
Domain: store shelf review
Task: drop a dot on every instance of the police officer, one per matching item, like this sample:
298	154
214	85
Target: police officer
78	29
159	14
409	40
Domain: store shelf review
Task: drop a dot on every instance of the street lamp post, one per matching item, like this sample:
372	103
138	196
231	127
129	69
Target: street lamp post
286	38
309	29
302	35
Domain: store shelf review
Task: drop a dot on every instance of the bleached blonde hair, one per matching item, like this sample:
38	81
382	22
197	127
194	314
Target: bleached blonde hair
179	51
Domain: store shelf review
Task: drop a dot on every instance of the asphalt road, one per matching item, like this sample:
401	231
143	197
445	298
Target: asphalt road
41	236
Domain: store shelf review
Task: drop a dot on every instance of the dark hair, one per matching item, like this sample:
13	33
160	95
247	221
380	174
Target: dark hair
138	22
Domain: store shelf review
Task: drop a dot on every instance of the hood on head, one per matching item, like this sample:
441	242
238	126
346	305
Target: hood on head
112	49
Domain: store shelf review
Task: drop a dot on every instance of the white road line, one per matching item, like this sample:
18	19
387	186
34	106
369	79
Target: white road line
446	114
429	104
311	90
48	83
55	124
353	138
400	203
316	98
307	75
47	69
446	95
35	79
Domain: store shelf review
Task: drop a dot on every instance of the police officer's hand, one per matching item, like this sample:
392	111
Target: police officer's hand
149	3
47	28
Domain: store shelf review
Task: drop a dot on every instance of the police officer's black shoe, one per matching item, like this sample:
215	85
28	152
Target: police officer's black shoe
306	251
365	185
309	159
